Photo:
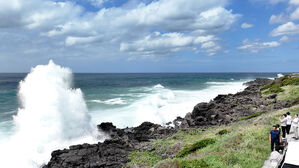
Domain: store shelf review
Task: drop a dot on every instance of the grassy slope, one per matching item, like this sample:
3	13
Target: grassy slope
244	145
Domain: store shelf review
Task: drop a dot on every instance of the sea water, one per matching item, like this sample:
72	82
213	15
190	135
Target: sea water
51	108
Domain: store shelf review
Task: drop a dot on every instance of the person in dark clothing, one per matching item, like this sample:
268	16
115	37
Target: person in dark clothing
283	125
274	138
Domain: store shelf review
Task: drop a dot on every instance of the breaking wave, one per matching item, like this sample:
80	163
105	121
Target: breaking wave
49	113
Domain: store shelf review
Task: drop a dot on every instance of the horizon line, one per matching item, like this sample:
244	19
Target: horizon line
149	72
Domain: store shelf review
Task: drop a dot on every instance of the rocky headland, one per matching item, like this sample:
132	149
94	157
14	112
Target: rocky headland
222	110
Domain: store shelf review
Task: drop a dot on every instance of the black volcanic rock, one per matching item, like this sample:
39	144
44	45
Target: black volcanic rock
113	153
106	127
259	82
225	109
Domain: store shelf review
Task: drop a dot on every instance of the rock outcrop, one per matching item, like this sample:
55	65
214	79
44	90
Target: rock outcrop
113	153
225	109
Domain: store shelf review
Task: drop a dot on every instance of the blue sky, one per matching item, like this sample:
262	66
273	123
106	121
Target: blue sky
151	36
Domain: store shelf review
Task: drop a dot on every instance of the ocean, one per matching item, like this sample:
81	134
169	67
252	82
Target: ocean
51	108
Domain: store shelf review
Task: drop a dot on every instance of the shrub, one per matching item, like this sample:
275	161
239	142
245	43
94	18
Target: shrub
290	81
197	145
266	87
222	132
276	88
253	115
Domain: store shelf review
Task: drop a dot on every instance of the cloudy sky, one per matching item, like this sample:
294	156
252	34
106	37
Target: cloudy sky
151	35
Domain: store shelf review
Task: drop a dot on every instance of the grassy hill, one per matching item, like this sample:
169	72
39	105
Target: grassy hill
241	144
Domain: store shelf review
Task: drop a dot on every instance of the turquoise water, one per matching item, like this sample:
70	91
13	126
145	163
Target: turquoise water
113	94
53	108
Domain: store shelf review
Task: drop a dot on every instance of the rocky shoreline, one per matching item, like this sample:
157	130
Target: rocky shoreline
114	152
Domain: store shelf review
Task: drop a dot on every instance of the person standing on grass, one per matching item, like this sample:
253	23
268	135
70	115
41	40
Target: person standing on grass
274	138
283	125
295	126
289	122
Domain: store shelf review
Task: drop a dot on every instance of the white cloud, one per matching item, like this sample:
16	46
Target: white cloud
289	28
163	44
130	27
123	28
276	1
272	2
294	2
257	45
291	14
96	3
70	40
37	13
284	39
246	26
281	18
295	14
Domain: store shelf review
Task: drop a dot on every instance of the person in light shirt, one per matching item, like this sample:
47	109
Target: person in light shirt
295	126
283	125
289	122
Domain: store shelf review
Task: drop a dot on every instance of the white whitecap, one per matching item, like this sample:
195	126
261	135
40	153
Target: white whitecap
280	75
158	86
114	101
163	105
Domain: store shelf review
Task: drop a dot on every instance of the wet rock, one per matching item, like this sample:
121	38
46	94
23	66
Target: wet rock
106	127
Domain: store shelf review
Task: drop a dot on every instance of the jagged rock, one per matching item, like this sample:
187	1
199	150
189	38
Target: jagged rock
259	81
113	153
272	96
106	127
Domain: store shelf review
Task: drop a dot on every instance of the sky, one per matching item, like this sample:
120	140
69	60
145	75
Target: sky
150	35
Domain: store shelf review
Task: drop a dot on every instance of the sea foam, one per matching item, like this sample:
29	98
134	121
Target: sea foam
52	115
163	104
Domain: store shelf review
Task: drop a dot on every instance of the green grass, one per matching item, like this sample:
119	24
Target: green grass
144	158
280	87
245	145
290	93
253	115
179	163
193	164
197	145
241	144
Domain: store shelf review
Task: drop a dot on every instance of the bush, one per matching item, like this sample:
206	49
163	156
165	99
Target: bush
197	145
276	88
266	87
290	81
253	115
222	132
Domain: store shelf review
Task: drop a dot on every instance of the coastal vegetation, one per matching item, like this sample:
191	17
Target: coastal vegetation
240	144
283	86
216	134
245	144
